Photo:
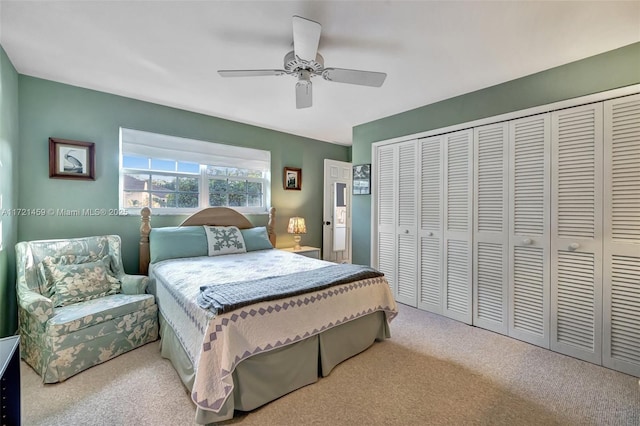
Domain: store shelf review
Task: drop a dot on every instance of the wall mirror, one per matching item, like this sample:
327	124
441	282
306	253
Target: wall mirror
340	217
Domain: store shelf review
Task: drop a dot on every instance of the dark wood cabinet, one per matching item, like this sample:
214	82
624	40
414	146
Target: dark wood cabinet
10	381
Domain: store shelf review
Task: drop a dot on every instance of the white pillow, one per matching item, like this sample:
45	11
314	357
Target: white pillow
224	240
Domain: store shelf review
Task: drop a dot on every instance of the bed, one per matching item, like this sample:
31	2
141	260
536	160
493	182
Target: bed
243	356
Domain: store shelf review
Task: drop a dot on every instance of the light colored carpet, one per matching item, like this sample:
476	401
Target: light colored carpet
432	371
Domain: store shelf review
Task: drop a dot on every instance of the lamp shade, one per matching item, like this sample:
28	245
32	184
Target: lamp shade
297	226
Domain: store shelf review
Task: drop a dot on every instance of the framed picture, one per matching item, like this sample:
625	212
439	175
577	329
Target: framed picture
362	179
72	159
292	178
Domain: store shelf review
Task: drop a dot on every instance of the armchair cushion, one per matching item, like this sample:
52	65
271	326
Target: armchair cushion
73	283
78	316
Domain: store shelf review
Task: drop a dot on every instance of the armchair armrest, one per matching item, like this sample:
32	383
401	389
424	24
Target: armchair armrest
37	305
134	284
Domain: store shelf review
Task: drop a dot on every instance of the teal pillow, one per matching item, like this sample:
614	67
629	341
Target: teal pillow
256	238
177	241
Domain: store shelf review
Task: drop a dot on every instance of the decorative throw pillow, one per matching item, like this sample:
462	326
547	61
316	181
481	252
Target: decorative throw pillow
224	240
78	282
46	283
256	238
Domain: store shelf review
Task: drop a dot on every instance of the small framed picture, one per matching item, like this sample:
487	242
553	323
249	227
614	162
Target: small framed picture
72	159
292	178
362	179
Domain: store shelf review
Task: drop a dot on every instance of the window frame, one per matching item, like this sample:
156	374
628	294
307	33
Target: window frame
141	144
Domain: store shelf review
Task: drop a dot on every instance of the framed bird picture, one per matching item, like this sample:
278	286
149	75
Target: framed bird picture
72	159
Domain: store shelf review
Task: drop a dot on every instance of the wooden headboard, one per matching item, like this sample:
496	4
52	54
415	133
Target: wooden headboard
213	216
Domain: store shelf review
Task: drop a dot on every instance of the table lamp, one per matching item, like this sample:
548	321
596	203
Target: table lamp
297	227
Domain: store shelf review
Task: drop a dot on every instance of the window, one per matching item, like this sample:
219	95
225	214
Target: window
175	175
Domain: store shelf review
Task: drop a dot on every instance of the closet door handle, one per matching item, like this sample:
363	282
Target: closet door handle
574	246
429	234
406	231
527	241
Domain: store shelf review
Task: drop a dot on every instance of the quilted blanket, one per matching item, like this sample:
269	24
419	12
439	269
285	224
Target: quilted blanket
223	298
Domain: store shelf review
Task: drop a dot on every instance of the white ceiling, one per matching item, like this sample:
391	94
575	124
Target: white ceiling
168	52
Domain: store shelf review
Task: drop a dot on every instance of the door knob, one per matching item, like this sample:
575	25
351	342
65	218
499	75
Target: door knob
574	246
327	223
429	234
406	231
527	241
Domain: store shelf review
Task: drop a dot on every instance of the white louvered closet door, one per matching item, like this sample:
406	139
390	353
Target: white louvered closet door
385	182
529	140
431	224
576	239
458	226
406	226
490	232
621	336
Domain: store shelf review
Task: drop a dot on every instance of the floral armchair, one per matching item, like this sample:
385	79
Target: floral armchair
76	306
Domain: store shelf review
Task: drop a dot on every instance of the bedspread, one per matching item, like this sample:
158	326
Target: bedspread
176	285
217	343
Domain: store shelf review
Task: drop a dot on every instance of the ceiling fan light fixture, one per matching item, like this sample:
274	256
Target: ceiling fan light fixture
304	77
304	90
305	62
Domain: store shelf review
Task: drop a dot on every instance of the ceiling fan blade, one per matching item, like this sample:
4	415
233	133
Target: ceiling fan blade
303	94
306	37
249	73
363	78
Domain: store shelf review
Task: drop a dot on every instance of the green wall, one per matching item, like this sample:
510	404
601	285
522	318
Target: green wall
8	191
49	109
610	70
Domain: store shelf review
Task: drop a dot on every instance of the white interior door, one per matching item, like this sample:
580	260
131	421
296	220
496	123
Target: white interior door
336	229
529	240
576	239
491	233
430	231
621	337
406	224
458	225
384	198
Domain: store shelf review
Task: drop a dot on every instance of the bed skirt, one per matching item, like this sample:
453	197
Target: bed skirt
268	376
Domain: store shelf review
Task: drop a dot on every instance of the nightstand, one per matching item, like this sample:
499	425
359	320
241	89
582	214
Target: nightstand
307	251
10	381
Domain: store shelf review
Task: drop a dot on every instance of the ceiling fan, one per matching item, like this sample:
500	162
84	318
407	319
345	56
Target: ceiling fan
304	62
